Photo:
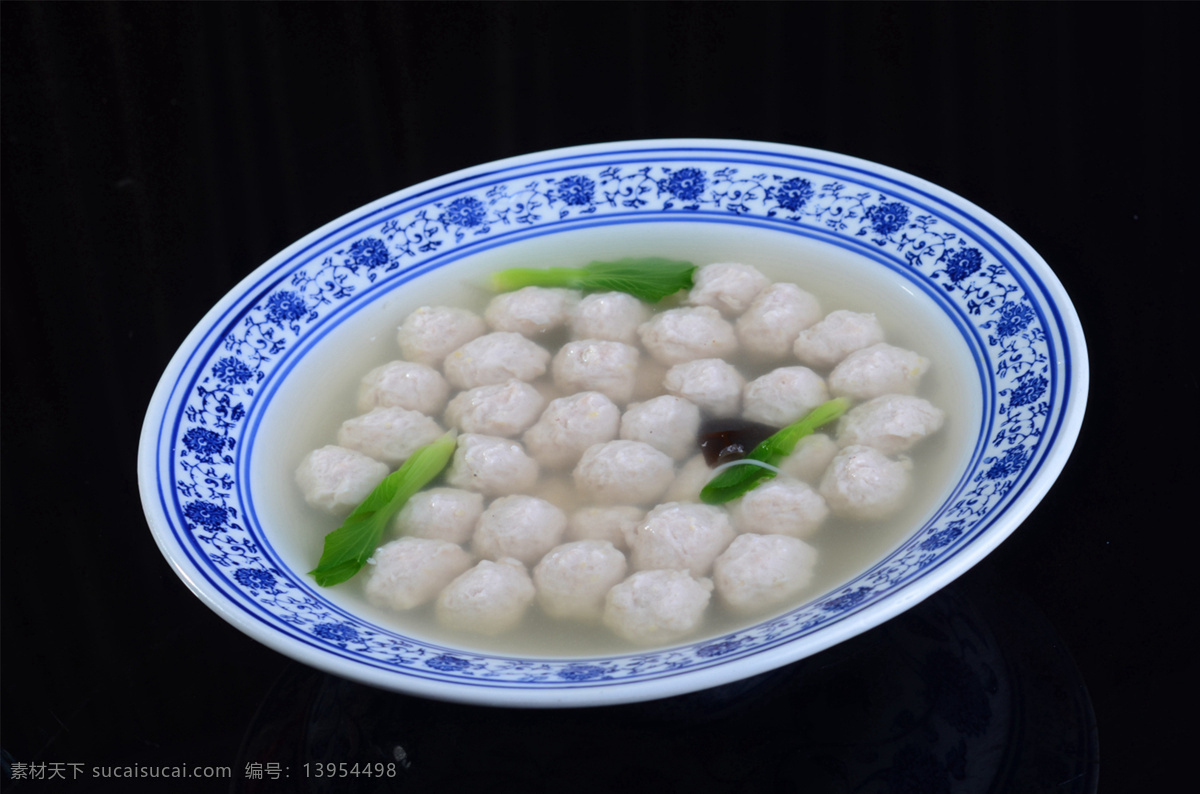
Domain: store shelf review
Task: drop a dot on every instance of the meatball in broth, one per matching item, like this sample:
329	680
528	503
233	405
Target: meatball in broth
570	514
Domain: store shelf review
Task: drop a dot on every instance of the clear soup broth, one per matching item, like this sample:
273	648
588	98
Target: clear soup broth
319	393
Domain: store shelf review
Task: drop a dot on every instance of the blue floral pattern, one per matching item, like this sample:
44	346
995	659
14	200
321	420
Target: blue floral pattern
1029	390
336	632
581	672
887	217
370	252
447	663
848	600
204	442
943	537
793	194
285	307
231	371
1004	466
254	579
718	648
207	514
467	211
1014	318
810	195
576	190
962	263
686	184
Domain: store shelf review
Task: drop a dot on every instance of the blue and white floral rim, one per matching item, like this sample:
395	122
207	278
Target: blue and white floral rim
1005	300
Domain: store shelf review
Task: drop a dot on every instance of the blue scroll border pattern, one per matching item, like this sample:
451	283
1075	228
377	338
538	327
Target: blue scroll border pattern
972	276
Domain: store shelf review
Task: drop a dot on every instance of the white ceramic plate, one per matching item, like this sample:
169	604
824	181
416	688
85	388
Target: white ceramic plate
214	465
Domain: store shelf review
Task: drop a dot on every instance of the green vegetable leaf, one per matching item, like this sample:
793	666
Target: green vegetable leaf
648	278
348	547
780	445
738	480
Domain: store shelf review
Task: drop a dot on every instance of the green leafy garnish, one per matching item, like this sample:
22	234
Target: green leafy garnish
737	480
649	278
348	547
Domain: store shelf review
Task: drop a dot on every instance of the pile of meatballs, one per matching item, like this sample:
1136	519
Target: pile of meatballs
576	478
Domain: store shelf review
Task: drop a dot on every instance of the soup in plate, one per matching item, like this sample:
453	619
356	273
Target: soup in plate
570	519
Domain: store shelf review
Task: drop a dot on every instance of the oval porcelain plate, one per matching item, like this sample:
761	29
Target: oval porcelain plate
216	486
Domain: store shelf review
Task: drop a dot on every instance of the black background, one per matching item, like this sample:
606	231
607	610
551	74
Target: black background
155	153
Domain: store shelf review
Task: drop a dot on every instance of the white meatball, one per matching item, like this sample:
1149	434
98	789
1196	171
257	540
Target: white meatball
769	328
892	423
530	311
597	365
654	607
502	409
678	335
431	333
864	483
681	535
728	287
488	599
690	481
521	527
336	479
570	425
389	434
757	572
783	396
837	336
441	514
403	384
623	472
810	458
877	370
666	423
495	358
411	571
493	466
573	579
614	523
780	506
614	316
712	384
